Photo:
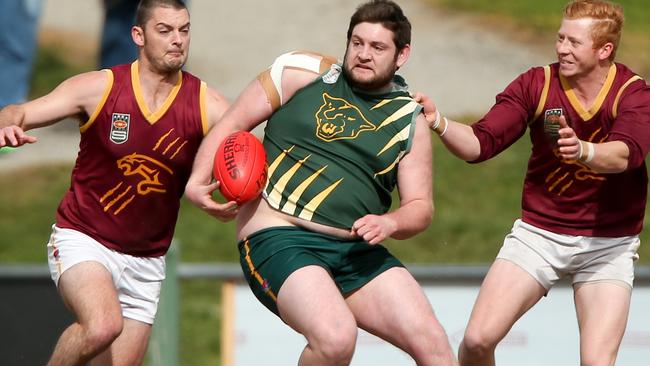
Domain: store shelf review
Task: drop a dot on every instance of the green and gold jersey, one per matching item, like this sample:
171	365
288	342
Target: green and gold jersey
333	151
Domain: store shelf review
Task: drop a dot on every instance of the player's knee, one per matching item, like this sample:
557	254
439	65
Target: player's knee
336	344
476	343
99	334
430	346
338	350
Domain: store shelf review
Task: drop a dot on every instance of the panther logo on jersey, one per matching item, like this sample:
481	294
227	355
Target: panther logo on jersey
151	174
148	175
149	169
337	119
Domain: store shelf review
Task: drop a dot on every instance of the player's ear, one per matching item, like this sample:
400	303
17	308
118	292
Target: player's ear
137	34
403	55
605	51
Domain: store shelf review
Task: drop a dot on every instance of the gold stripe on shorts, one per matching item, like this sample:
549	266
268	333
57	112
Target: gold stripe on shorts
254	272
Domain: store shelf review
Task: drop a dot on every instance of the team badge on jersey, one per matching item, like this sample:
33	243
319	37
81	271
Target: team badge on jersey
120	127
333	75
552	123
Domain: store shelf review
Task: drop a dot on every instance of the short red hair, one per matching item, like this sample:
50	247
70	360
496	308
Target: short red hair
608	20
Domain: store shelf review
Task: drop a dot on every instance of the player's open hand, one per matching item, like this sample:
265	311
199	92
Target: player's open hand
374	228
568	143
429	108
14	136
201	196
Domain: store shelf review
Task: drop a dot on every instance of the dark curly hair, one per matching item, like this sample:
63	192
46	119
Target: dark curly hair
386	13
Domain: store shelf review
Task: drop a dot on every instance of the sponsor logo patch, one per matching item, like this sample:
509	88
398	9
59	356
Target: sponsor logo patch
120	127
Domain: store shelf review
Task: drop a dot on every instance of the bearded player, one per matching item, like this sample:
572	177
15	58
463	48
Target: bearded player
339	140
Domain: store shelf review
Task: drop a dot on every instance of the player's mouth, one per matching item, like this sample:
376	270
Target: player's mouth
363	68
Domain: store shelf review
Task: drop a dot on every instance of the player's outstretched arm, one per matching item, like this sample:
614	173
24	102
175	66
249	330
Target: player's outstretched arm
458	137
414	181
76	96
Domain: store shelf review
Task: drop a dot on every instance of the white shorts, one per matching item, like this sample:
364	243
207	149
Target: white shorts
548	256
137	280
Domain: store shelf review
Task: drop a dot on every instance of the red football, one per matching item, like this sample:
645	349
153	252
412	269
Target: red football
240	166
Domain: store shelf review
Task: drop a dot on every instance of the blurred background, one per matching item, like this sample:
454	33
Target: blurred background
464	53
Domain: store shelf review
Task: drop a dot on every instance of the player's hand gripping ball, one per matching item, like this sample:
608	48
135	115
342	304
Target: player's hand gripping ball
240	167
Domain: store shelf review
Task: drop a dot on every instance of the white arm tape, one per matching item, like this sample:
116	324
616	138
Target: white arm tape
293	60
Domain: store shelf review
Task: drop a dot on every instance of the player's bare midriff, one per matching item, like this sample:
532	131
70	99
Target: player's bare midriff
257	215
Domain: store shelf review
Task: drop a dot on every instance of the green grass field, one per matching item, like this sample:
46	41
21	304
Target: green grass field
475	205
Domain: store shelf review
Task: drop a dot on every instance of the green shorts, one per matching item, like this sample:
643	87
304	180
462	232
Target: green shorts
269	256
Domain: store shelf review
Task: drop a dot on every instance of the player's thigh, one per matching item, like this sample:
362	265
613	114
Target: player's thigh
602	308
88	289
310	302
607	259
507	292
129	348
394	307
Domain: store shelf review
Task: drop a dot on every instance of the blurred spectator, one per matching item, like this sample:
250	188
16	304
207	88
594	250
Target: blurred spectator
117	46
18	35
18	29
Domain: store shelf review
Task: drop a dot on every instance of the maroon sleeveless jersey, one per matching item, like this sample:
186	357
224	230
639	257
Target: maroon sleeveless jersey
133	164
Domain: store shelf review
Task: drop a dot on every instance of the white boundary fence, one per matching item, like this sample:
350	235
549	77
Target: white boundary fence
251	334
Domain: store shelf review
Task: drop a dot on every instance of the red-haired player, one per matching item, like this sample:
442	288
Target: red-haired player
585	190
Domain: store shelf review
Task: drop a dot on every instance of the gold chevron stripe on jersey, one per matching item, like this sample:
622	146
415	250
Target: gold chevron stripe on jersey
290	206
274	165
406	109
279	187
386	101
308	211
403	135
391	166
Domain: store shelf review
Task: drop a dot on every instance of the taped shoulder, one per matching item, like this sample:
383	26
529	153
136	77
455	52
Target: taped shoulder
271	78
